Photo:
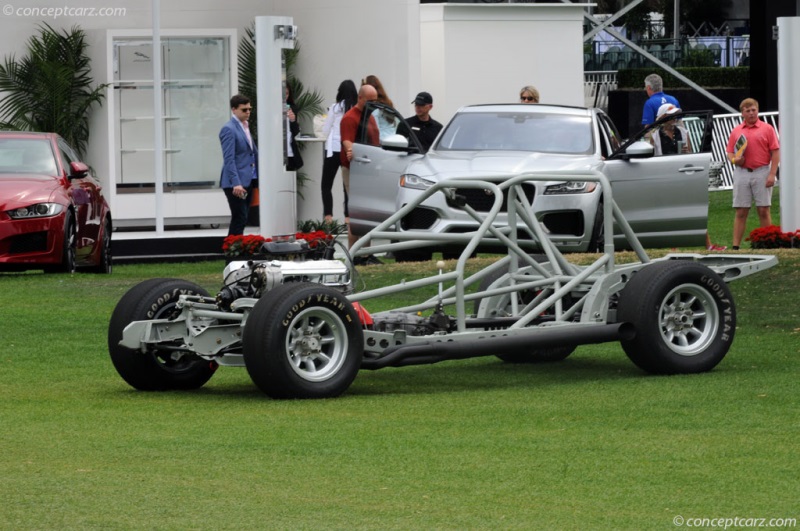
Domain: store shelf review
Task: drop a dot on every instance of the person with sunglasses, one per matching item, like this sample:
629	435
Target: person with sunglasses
529	94
239	162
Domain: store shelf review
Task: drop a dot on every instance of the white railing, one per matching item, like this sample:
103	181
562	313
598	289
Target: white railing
596	86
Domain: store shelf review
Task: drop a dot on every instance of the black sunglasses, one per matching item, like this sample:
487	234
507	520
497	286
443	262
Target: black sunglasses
527	98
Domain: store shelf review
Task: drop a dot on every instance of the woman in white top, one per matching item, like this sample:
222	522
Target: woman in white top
346	97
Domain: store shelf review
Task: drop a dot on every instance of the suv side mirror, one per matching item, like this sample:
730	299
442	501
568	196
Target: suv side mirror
638	150
395	143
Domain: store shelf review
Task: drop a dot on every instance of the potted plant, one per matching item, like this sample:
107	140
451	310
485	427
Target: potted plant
314	245
772	237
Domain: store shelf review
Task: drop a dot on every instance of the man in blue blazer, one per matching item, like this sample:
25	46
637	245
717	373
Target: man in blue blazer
239	162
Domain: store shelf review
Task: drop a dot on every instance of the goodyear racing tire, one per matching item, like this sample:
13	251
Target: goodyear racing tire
303	340
155	370
502	304
683	314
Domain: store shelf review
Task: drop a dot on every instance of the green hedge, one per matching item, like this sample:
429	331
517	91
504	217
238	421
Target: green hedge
707	77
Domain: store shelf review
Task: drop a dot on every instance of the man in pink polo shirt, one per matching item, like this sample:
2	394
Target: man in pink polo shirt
755	168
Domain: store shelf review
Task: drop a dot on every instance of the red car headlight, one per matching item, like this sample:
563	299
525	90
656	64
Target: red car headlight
40	210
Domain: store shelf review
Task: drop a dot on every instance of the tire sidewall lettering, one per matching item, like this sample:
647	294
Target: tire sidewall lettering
321	300
715	287
164	299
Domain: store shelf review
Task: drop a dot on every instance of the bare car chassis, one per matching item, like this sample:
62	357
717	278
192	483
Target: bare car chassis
302	331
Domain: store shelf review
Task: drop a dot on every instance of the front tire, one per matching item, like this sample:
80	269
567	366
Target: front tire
155	370
684	316
303	340
68	247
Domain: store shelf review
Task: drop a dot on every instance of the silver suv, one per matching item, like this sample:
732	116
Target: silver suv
664	197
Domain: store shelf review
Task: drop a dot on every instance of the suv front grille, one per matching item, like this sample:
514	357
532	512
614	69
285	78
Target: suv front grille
482	200
420	219
569	222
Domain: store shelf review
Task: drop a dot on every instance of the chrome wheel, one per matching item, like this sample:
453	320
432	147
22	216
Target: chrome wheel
689	319
316	345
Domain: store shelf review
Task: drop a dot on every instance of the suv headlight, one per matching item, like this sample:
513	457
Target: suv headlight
571	187
415	182
40	210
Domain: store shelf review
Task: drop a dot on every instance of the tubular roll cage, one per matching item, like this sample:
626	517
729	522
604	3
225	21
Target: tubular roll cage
590	315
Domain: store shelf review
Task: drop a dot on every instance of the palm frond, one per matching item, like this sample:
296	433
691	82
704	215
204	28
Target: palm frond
308	103
247	75
50	88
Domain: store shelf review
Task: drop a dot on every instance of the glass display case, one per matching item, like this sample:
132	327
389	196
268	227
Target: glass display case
196	87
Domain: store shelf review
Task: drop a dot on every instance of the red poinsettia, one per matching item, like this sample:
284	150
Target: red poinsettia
242	244
315	238
250	244
772	238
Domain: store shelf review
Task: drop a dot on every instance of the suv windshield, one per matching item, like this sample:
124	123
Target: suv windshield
519	131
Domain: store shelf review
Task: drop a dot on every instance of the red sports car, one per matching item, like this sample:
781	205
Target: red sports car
53	215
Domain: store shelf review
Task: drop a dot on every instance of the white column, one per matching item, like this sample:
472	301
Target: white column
277	193
789	112
158	122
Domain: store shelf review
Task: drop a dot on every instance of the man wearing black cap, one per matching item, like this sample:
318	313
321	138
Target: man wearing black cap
425	128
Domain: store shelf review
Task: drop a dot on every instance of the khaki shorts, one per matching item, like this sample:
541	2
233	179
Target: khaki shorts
749	187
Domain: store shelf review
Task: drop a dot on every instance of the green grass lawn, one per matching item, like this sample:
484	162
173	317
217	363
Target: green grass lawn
588	443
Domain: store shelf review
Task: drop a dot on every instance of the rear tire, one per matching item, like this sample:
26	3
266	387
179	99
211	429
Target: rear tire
155	370
684	316
303	340
104	264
